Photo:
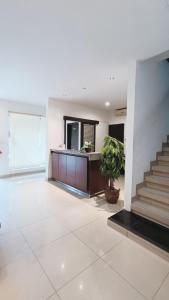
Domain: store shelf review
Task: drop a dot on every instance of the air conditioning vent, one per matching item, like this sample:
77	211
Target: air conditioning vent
121	112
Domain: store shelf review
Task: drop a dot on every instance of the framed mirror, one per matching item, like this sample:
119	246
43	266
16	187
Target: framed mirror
77	131
73	135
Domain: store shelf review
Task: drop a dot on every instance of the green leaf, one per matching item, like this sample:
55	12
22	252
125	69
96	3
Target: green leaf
113	158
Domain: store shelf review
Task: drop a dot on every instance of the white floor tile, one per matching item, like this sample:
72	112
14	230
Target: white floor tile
163	293
54	297
45	213
12	246
8	224
64	259
144	270
79	216
44	232
24	280
99	236
99	282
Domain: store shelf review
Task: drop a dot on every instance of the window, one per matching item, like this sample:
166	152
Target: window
27	141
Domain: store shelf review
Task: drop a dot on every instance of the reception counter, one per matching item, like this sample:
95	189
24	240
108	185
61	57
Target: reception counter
78	170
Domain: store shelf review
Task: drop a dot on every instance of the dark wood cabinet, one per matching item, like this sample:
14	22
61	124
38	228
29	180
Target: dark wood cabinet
71	170
96	180
79	172
62	176
55	166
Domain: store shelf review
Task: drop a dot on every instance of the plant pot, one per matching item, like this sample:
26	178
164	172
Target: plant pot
112	195
88	150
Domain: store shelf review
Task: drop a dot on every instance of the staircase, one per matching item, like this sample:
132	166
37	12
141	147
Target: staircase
152	196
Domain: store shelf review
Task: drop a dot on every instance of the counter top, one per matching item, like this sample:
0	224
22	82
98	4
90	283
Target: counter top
90	155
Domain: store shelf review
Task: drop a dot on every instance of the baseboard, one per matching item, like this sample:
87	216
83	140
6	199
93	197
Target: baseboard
22	173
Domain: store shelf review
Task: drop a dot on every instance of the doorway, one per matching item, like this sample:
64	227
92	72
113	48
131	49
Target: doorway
117	131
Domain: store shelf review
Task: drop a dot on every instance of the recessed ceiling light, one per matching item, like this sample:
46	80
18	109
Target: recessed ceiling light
84	88
107	103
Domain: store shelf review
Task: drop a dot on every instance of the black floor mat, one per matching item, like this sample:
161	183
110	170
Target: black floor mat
144	228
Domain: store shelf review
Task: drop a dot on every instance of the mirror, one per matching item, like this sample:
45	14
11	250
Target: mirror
72	135
88	135
77	131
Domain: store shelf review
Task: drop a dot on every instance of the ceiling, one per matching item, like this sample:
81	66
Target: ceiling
77	50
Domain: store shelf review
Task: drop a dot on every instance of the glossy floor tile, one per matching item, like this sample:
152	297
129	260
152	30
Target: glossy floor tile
44	232
24	280
12	246
51	242
8	223
99	282
144	270
80	216
64	259
54	297
163	293
99	237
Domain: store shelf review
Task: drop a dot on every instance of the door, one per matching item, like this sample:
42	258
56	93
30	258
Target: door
117	131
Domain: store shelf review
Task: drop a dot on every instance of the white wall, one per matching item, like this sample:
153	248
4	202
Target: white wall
4	137
151	119
129	136
148	119
5	107
55	112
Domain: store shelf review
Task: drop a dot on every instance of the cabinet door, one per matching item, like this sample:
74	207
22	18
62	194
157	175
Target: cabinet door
62	168
71	170
55	165
81	173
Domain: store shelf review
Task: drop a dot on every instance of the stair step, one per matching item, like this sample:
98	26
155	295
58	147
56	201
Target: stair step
163	163
161	169
160	183
165	144
151	212
163	158
165	148
165	153
153	194
158	180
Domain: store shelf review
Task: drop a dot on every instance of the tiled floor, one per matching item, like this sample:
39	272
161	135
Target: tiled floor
56	246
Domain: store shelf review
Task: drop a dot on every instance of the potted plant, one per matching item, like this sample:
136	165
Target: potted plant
87	147
112	162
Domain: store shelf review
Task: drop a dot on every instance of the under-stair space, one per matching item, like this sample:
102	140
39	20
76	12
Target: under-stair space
152	196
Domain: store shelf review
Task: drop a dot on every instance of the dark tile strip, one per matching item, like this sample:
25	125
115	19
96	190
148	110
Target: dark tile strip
152	232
